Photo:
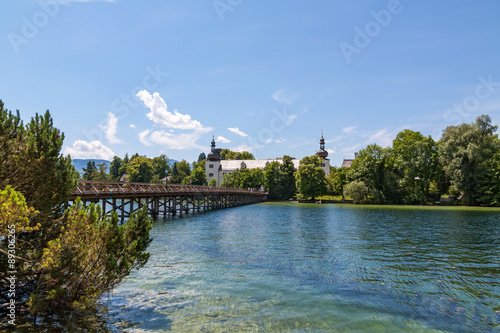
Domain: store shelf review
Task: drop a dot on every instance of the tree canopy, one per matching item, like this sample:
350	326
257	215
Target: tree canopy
227	154
464	163
310	178
279	179
467	153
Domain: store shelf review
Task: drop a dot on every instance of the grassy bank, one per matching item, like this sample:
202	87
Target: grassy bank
389	207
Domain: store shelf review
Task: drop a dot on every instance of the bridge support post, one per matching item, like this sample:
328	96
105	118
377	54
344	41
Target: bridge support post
125	198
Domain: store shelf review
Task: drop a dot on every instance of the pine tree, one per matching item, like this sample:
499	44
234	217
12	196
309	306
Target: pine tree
90	172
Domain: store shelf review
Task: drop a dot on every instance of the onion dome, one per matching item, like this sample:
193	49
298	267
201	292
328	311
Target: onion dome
322	152
213	156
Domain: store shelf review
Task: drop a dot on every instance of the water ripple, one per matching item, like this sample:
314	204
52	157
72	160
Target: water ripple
319	268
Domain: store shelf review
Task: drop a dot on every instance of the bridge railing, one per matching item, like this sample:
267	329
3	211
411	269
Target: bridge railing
99	187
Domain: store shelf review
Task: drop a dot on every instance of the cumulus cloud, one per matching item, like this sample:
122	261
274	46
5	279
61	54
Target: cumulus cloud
222	139
161	116
171	123
110	129
237	131
94	149
132	126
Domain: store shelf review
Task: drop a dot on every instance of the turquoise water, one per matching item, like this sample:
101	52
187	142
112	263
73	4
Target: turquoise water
318	268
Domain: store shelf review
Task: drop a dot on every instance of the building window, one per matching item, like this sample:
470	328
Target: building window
210	175
322	165
211	166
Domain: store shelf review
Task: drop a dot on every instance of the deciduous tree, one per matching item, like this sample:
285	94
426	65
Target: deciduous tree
357	191
417	164
465	152
140	169
161	166
337	180
310	178
374	167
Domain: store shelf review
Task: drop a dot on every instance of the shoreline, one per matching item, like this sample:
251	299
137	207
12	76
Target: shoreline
379	206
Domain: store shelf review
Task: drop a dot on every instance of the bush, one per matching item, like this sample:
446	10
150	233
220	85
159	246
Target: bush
357	190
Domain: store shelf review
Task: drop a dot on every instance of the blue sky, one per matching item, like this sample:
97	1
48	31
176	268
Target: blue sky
162	77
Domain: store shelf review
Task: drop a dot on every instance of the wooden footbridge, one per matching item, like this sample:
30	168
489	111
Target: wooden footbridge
162	199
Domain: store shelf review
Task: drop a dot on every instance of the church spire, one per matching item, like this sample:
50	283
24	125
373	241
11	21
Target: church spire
322	152
213	143
213	155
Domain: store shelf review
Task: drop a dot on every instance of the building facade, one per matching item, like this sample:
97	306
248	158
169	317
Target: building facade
215	168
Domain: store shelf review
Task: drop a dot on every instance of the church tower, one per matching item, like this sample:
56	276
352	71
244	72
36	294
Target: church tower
212	164
323	154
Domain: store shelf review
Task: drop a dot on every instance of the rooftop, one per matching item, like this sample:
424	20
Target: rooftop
231	165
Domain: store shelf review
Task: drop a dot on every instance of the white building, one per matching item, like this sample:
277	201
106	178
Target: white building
215	168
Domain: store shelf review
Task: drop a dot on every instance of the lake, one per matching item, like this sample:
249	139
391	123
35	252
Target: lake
332	268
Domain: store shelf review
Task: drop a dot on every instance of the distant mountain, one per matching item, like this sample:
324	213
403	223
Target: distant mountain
81	163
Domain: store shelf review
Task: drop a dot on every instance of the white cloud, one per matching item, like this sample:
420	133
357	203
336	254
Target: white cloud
280	140
110	129
381	137
161	116
330	151
351	149
132	126
222	139
282	97
241	148
177	141
143	139
348	129
291	119
335	139
94	149
237	131
168	137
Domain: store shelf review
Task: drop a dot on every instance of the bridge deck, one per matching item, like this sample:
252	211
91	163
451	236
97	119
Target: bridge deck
101	190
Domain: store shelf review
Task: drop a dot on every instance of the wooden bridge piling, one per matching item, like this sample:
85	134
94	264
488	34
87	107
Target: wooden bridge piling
161	199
